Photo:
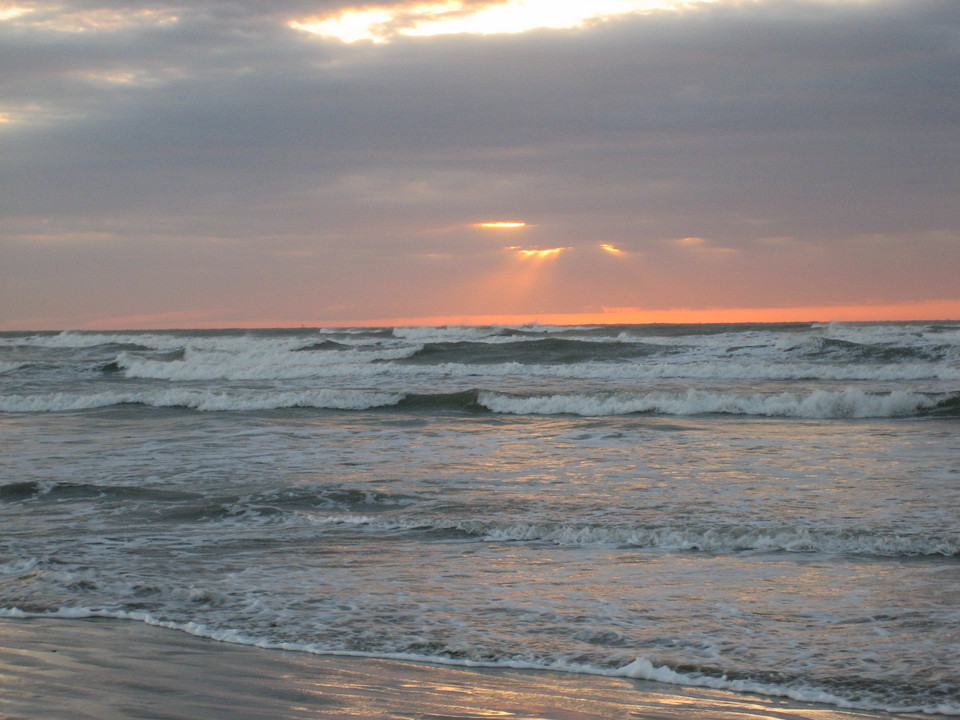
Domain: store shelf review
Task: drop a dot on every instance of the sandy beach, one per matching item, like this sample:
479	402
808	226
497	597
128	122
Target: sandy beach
106	670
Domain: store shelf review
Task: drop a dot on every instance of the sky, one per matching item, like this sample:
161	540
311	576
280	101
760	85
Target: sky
243	163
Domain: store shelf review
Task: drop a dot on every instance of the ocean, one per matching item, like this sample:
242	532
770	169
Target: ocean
760	508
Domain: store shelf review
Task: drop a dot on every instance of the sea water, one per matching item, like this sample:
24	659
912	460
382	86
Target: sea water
760	508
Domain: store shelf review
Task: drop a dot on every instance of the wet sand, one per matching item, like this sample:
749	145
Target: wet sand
108	669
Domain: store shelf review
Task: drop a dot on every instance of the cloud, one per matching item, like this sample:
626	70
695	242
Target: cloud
383	23
819	121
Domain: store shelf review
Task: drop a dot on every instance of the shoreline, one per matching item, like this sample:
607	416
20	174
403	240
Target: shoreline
107	669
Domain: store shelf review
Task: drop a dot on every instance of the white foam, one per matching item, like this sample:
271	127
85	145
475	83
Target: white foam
349	520
879	334
547	329
454	333
849	403
707	539
17	568
494	334
201	400
14	612
70	339
262	364
282	365
696	370
57	402
641	668
820	404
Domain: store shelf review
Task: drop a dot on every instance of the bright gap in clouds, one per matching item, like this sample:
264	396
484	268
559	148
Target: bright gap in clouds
12	12
536	252
418	19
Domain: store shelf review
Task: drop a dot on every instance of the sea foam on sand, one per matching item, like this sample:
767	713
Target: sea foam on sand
108	669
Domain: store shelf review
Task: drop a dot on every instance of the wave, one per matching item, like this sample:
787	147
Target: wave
61	491
820	404
461	333
747	355
827	348
80	340
426	360
550	351
890	332
451	333
235	341
18	568
673	538
850	693
467	400
322	345
268	364
878	353
830	337
726	370
201	400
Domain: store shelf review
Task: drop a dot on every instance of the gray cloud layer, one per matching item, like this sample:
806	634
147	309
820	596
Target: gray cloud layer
812	137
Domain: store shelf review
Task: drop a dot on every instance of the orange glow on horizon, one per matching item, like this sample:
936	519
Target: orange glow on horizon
925	311
612	249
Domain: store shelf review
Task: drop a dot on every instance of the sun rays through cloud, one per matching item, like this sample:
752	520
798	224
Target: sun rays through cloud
536	252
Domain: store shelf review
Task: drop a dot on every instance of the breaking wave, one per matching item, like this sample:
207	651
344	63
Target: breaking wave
268	363
819	404
665	537
408	362
848	403
201	400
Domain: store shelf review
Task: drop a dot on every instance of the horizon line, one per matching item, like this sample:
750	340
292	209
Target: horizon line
926	311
